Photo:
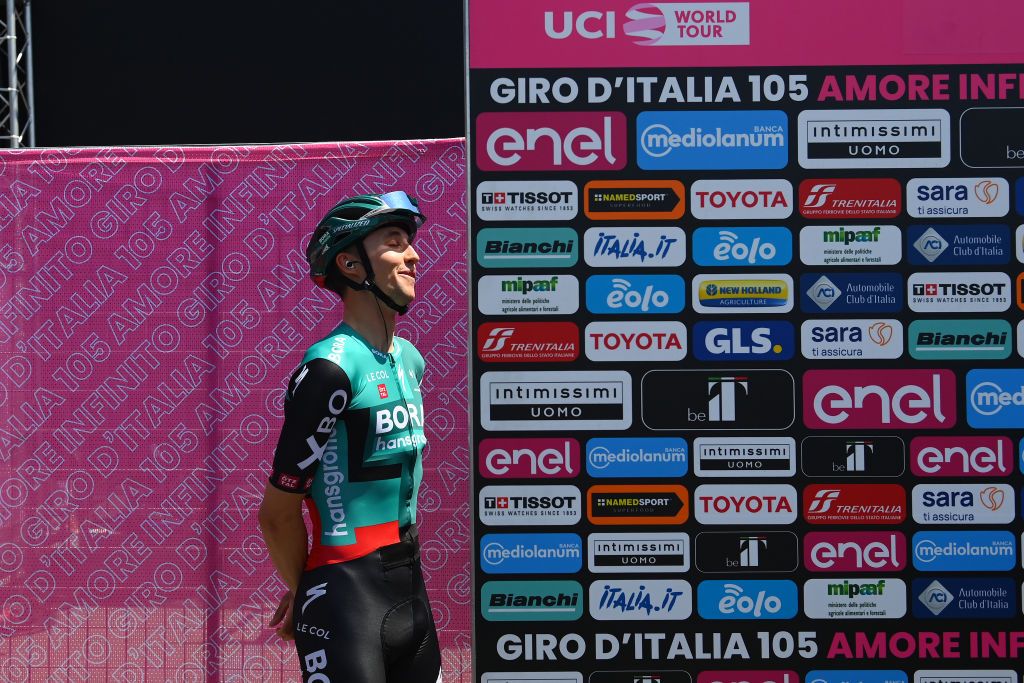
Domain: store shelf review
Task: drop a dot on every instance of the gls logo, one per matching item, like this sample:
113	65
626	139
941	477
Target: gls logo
752	600
668	24
841	399
550	141
636	294
760	340
742	246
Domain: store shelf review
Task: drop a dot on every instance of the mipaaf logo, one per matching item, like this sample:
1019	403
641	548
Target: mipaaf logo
897	399
551	141
855	551
556	342
855	504
961	456
859	198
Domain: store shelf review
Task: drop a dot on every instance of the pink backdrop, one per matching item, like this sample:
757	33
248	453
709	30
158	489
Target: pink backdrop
153	302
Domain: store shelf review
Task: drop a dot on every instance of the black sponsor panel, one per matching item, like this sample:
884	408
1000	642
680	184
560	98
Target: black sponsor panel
853	456
874	150
548	411
718	552
640	676
641	503
611	199
717	400
640	560
992	137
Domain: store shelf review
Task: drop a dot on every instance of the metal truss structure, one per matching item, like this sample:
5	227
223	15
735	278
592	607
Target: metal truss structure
17	116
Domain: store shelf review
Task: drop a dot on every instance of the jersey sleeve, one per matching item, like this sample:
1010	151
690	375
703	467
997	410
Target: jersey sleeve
318	393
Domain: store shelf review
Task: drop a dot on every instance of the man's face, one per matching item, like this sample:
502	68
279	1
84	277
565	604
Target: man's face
394	262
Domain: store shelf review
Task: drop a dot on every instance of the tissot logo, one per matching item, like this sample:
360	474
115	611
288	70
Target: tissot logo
756	340
744	456
855	551
850	245
874	138
742	293
531	294
746	504
638	341
531	601
990	137
742	247
527	247
879	399
551	141
953	598
963	503
741	199
634	247
529	458
638	504
556	342
747	552
959	245
714	400
851	292
852	456
958	197
541	200
955	292
719	140
624	200
995	398
530	401
961	456
960	339
855	504
638	553
855	598
529	505
858	198
841	338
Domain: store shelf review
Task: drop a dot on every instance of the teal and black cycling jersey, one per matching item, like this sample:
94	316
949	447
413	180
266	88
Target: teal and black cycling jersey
353	441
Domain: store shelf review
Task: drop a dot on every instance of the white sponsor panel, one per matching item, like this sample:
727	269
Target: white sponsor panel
741	199
1020	338
841	338
855	598
959	292
744	456
535	200
528	294
529	505
963	504
965	676
746	504
1020	243
851	245
638	553
640	599
958	197
728	293
642	340
873	138
634	247
547	401
532	677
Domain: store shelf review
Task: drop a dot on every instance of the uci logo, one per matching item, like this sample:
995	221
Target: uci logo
590	25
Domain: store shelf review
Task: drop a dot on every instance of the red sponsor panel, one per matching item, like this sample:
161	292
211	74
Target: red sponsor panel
557	458
555	342
749	676
879	399
855	551
855	504
856	198
551	141
961	456
1020	287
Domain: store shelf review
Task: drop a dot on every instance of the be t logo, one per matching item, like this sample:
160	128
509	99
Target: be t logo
722	397
750	550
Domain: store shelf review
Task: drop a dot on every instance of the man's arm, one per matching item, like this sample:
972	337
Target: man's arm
284	532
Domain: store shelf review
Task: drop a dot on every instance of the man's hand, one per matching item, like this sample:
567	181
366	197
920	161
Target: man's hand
283	616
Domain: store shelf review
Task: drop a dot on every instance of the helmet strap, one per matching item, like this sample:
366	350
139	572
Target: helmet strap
368	284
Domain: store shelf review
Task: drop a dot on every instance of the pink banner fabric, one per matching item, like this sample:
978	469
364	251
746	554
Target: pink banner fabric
153	302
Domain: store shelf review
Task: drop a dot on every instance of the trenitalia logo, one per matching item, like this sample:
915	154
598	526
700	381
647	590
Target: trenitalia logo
963	503
638	504
995	399
527	247
743	456
855	504
634	247
741	199
551	141
897	399
639	341
855	551
529	505
964	551
743	293
858	198
719	140
531	553
659	24
638	553
529	458
958	197
853	456
540	200
961	456
531	601
641	200
732	504
555	342
874	138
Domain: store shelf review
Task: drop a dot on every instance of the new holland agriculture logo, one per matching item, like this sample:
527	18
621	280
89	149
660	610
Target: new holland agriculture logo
743	293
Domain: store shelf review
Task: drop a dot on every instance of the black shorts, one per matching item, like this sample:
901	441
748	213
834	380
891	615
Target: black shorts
368	620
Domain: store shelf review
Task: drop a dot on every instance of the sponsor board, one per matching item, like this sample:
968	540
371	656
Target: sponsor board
636	294
531	553
754	340
547	401
983	339
531	601
990	137
842	338
961	456
532	677
958	197
703	400
856	676
712	140
851	245
747	676
853	456
745	504
730	293
747	599
963	551
873	138
722	200
554	342
635	341
640	676
638	504
743	456
637	457
872	504
955	598
639	200
879	399
855	551
551	141
527	247
855	598
965	676
718	552
856	198
640	600
529	505
963	503
959	245
557	458
743	247
958	292
637	553
531	294
851	292
995	399
634	247
517	200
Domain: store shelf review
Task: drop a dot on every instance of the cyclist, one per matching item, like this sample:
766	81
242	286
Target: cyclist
351	447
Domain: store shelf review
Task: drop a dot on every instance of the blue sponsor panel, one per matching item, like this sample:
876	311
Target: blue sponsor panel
995	399
712	140
531	553
1020	196
947	597
851	292
637	457
764	340
964	551
635	294
755	246
750	600
856	676
959	245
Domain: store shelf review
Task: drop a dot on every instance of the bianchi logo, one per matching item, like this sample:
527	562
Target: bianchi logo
931	245
824	292
935	597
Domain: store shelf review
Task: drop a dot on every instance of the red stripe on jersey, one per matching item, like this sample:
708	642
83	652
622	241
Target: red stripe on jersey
368	539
